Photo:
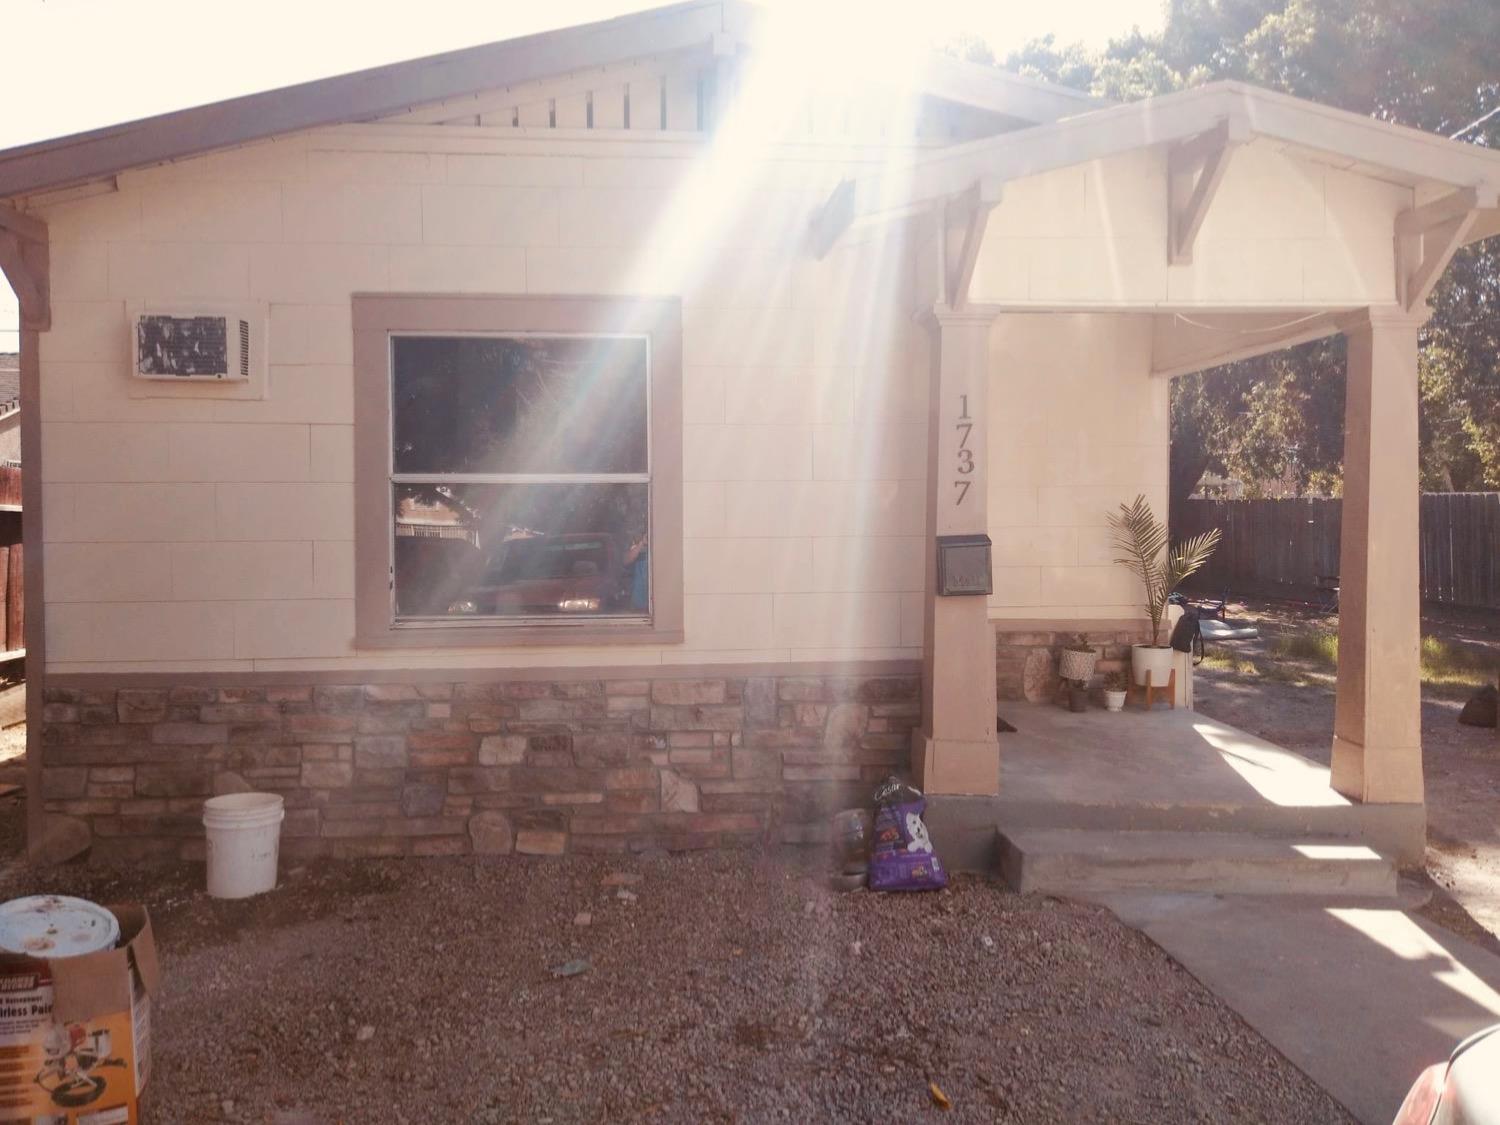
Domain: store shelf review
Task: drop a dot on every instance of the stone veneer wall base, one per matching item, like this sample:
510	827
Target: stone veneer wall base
1026	661
537	767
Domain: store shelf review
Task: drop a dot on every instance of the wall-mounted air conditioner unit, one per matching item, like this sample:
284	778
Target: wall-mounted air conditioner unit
174	343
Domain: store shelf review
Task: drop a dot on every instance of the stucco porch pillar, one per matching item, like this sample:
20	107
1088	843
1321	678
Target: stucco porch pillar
956	751
1377	742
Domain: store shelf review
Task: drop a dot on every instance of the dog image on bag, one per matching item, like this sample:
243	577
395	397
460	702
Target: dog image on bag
903	858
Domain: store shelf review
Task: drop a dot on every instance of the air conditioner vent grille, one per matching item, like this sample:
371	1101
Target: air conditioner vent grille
244	349
184	346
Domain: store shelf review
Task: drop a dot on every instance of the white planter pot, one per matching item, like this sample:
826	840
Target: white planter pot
1158	661
1114	701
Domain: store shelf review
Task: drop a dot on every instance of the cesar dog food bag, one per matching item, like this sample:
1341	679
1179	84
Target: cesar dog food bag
75	1027
902	858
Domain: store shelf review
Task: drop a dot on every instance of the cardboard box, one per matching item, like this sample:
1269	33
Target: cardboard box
75	1032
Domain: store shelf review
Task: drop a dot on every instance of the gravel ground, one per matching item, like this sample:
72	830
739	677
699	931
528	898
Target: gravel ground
731	987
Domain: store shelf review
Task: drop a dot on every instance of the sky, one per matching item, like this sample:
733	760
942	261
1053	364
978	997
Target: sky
83	64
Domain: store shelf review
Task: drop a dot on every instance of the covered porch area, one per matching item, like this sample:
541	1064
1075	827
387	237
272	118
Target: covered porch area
1171	237
1099	801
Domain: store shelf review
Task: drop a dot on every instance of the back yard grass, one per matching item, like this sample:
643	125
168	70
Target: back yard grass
1303	648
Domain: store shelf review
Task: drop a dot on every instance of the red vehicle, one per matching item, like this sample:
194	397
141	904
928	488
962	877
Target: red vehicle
554	574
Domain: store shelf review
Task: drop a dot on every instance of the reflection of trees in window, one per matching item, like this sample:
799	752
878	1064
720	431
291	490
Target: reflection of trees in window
519	405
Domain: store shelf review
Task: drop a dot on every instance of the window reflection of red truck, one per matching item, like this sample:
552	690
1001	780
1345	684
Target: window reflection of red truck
548	574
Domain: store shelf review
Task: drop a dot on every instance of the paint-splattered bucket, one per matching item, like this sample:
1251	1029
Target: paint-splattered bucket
51	926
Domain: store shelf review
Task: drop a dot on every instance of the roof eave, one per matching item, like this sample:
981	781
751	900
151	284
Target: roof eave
1173	117
358	96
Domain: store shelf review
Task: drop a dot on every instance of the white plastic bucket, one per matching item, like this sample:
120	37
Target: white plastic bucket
244	837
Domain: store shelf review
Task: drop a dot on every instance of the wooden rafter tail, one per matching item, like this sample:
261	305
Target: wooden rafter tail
832	219
1438	247
965	216
1428	236
1195	169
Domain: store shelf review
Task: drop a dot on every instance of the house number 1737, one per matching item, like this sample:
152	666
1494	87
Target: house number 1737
965	466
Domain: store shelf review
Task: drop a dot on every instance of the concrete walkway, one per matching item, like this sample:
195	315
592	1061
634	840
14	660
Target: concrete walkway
1361	998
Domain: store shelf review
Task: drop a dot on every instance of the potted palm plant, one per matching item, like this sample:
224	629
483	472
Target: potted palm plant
1145	550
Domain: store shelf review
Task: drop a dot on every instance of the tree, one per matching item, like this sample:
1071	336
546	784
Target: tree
1276	421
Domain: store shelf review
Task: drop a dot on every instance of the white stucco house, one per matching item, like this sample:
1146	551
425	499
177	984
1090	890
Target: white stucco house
546	445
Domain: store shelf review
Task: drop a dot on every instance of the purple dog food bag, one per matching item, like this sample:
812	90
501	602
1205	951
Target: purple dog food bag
902	858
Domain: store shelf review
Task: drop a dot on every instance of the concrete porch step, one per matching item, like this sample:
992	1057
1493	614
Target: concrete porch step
1083	862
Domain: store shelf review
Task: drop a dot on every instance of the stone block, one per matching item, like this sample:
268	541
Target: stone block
681	692
141	705
262	757
540	841
433	759
600	750
423	800
754	762
240	713
62	838
502	750
678	794
793	689
564	800
380	753
627	687
706	717
577	689
300	822
631	801
64	781
846	722
339	698
227	781
317	726
172	781
639	777
759	702
467	780
825	772
391	693
189	734
327	775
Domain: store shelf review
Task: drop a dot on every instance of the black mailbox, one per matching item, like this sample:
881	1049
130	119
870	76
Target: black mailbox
963	565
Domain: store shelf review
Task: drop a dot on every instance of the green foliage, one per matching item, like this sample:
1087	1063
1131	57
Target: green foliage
1145	550
1445	663
1276	422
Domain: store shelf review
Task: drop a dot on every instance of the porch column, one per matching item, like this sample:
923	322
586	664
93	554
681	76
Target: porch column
1377	741
955	751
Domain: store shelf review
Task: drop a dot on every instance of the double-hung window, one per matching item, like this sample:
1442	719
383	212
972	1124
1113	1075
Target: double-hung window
520	479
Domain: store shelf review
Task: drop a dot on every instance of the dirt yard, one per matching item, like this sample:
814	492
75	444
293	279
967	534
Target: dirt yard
717	987
1280	687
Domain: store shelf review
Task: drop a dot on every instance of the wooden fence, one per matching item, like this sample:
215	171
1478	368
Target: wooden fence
1282	547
